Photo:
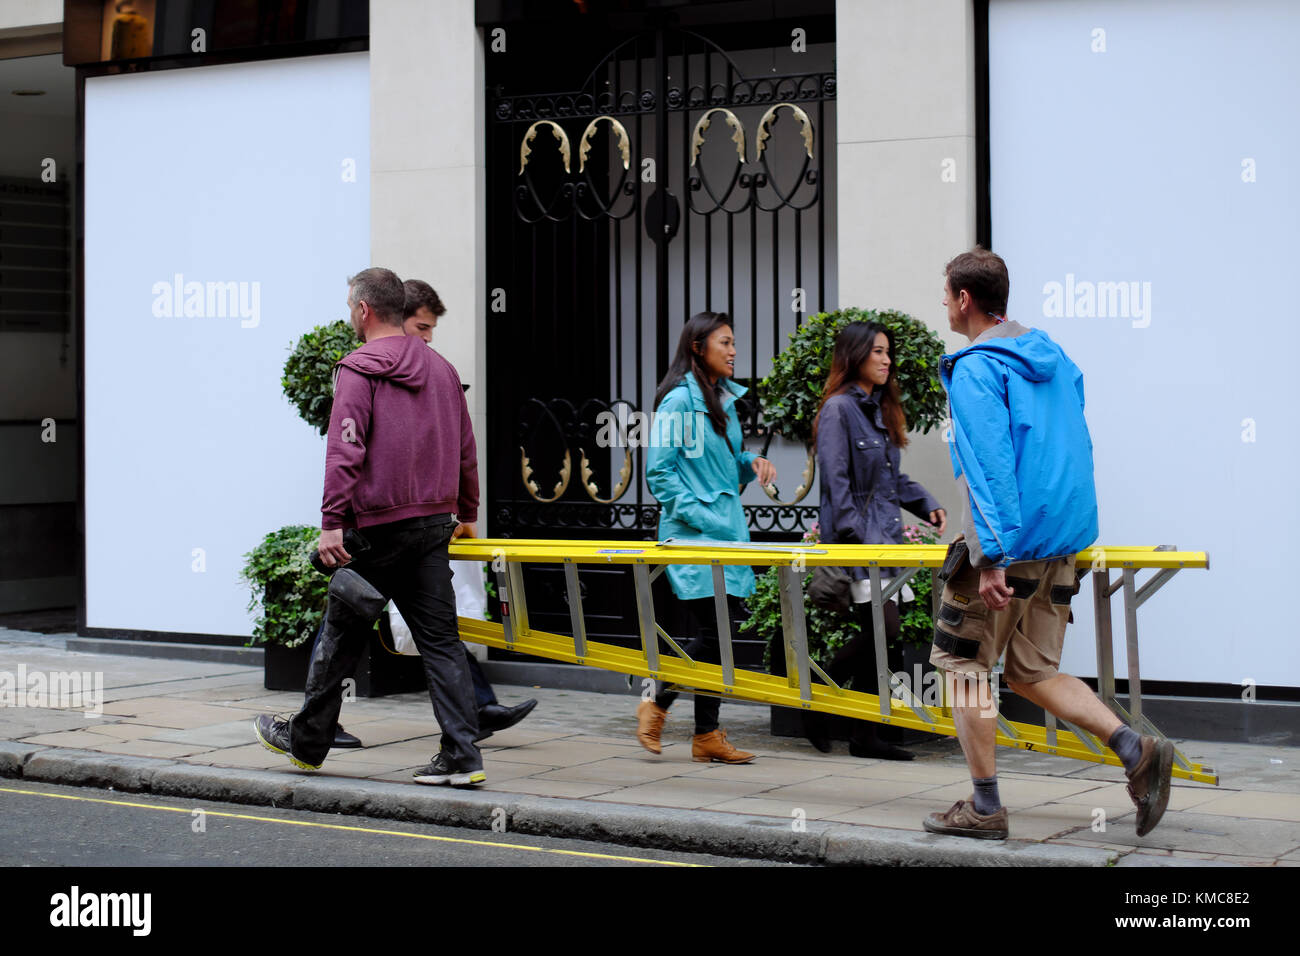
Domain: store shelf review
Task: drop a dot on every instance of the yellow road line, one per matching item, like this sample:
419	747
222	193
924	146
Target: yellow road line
339	826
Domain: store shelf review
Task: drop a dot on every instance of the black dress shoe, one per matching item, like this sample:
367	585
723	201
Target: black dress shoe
814	728
344	739
494	717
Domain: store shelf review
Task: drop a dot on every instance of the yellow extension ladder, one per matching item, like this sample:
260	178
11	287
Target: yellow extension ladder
893	703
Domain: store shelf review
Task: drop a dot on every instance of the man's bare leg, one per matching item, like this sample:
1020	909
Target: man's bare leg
1069	698
975	717
1148	761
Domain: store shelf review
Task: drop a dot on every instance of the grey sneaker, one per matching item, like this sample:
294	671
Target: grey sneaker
273	734
962	820
440	770
1148	784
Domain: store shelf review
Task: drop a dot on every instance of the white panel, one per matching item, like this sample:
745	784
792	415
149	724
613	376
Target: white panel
1126	165
219	174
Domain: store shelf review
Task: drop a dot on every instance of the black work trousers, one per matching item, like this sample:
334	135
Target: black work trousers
407	563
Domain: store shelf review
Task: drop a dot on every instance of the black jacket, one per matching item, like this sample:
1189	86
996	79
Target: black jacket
861	486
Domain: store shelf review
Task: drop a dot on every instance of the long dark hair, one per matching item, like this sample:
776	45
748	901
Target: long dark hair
690	358
853	347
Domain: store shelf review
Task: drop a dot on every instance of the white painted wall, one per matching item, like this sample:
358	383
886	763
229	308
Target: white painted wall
190	442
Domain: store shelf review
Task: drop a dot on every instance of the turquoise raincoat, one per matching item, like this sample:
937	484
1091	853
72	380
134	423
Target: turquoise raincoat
696	476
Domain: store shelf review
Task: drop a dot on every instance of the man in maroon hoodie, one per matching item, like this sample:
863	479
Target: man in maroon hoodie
400	467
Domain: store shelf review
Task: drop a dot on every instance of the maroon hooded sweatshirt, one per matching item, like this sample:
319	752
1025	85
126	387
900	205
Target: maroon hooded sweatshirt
400	443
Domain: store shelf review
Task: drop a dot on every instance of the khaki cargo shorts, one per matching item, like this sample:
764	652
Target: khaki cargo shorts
969	637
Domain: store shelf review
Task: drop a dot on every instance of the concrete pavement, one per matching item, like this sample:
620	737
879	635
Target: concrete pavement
574	769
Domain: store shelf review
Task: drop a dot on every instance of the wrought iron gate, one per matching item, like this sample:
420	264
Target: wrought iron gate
666	182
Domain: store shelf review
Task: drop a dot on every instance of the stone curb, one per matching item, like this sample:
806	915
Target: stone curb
693	831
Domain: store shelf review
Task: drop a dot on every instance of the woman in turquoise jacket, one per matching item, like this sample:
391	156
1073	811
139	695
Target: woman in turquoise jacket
695	467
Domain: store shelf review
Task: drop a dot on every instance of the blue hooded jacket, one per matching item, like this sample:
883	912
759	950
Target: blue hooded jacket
1021	445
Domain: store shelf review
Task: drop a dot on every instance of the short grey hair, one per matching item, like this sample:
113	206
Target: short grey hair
382	291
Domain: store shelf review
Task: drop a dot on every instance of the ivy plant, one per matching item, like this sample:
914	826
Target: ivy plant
792	392
288	594
308	379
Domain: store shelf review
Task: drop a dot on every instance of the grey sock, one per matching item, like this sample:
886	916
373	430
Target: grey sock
986	795
1127	744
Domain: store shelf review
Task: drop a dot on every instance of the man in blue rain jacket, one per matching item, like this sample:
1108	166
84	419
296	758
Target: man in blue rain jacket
1022	454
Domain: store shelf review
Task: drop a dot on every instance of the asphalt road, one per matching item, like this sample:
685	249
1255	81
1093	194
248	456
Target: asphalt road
46	825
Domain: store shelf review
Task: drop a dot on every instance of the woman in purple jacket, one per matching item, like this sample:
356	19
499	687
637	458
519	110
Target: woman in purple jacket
858	432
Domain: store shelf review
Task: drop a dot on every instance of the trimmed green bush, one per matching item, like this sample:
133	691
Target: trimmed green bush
308	379
793	391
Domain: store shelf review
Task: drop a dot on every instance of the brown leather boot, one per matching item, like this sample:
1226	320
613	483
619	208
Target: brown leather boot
650	719
714	746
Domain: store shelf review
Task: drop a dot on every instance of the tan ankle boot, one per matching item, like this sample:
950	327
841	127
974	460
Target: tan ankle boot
714	746
650	719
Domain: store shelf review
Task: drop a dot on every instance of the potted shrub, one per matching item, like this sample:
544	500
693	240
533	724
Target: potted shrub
288	596
790	396
828	631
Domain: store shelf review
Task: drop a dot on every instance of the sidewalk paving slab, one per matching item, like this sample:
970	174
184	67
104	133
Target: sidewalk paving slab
783	810
687	793
1207	833
552	788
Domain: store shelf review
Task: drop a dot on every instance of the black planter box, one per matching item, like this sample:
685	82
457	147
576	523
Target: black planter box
788	721
382	672
379	673
285	668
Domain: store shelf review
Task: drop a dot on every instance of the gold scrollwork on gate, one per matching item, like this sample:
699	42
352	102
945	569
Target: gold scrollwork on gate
765	129
530	135
624	144
526	469
624	478
809	470
697	138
